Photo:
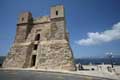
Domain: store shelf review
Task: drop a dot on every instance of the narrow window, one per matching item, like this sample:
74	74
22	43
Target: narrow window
22	19
33	60
37	37
35	47
56	12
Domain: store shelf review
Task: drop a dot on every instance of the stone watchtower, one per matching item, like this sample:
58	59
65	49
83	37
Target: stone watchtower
41	43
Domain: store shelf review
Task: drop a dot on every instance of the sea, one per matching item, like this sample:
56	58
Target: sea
87	61
97	61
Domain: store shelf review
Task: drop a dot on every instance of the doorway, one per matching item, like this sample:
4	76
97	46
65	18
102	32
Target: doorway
33	60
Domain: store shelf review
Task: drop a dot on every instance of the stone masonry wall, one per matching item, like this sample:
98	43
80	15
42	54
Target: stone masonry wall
18	57
55	55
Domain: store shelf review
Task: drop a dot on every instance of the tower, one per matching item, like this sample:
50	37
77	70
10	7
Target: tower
41	43
19	54
58	22
23	27
56	53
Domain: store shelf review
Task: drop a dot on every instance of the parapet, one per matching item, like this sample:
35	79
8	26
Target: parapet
43	19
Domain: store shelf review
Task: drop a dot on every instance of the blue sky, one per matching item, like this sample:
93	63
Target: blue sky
97	17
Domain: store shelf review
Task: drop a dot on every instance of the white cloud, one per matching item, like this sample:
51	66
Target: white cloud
97	38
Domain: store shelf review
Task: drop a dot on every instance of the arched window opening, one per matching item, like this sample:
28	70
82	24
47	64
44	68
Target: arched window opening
37	37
